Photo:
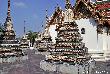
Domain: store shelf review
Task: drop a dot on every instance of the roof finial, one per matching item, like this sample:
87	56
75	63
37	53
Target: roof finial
24	27
57	5
68	4
57	8
46	14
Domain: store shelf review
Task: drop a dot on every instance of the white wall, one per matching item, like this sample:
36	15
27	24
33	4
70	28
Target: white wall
100	42
106	44
90	36
108	39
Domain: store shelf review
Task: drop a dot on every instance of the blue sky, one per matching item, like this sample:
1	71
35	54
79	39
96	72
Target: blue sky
32	11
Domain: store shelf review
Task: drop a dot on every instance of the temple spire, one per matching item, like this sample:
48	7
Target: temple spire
68	4
8	12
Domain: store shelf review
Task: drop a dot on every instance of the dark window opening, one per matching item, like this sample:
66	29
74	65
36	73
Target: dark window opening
83	31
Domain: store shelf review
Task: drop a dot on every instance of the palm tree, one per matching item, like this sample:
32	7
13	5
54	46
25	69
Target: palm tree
31	37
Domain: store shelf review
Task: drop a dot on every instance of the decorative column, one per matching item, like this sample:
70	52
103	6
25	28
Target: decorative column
105	41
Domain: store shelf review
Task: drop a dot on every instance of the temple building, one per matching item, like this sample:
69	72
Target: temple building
93	26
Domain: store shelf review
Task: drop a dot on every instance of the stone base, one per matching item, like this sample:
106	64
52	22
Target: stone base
13	59
66	68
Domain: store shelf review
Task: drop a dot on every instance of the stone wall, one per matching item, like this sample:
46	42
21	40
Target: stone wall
66	68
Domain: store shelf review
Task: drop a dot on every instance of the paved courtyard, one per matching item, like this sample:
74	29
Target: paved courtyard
29	66
32	66
102	68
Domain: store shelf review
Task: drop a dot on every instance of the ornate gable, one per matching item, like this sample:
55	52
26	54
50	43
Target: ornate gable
84	9
57	17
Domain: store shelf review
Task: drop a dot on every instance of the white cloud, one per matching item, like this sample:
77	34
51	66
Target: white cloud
20	4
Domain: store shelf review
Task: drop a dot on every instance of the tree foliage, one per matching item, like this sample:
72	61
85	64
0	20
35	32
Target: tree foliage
32	36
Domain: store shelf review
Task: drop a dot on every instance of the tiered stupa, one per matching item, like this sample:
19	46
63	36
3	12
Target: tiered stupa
24	42
9	31
70	54
46	40
9	46
69	46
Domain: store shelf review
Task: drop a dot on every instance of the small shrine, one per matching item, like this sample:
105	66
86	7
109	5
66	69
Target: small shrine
24	42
